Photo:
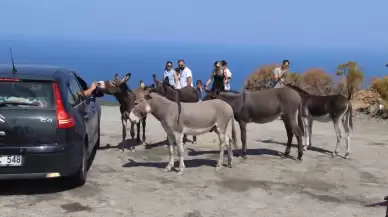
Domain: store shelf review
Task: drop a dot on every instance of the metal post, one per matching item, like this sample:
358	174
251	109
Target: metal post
386	204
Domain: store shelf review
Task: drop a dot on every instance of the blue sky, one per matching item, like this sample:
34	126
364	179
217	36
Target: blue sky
304	23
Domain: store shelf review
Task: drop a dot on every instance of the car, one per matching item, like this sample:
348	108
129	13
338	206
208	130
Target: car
48	128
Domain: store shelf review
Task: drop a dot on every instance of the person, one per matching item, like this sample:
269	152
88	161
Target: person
177	77
228	75
279	73
142	85
186	77
218	76
169	73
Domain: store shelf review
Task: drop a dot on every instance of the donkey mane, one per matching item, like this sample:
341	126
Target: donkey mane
297	88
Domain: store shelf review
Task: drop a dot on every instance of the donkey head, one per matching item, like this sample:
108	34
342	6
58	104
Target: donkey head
116	85
142	106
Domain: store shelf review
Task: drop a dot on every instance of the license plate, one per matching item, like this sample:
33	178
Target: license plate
11	160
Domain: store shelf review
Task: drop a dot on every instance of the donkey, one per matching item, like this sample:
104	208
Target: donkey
263	107
335	108
194	119
186	94
126	97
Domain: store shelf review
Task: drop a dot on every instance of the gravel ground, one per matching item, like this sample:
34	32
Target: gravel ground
134	183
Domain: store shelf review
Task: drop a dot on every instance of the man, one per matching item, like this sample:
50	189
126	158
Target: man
279	73
186	78
228	75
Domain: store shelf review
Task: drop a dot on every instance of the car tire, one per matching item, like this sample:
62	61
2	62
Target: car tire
79	178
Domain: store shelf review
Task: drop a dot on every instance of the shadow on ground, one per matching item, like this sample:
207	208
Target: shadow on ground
312	148
127	144
33	187
188	163
256	152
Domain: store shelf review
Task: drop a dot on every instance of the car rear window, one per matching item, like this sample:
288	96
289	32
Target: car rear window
26	94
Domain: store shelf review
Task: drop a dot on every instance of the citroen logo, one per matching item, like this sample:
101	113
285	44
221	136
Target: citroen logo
2	119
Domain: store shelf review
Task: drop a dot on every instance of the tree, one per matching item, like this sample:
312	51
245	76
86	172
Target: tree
317	80
353	77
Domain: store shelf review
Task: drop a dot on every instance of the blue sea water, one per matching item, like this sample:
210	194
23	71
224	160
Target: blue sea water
100	60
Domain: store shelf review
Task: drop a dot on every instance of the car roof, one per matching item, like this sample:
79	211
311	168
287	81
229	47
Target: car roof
31	72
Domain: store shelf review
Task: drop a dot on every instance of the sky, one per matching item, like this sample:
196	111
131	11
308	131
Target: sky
297	23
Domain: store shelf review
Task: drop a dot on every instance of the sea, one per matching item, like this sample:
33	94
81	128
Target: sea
97	60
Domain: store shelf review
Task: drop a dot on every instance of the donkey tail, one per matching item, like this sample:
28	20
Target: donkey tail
178	101
350	115
234	133
300	119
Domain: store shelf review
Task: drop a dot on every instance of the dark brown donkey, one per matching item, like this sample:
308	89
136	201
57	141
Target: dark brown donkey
126	97
263	107
335	108
186	94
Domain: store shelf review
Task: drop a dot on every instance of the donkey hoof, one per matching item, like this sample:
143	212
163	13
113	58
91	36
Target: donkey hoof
305	148
218	167
194	142
168	168
230	165
180	172
347	155
335	153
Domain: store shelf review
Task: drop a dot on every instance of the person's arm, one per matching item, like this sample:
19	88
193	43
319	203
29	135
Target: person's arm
176	79
276	74
189	77
225	76
90	90
210	79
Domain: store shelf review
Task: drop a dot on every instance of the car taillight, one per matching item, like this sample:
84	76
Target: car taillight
64	120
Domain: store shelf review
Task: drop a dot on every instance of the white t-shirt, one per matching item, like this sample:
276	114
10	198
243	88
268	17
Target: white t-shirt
277	71
228	73
185	73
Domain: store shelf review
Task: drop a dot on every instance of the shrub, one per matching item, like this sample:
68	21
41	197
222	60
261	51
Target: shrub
317	81
380	85
260	78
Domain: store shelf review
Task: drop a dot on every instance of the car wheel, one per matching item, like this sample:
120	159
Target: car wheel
79	178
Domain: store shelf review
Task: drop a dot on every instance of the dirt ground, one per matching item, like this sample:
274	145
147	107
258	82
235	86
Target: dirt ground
134	183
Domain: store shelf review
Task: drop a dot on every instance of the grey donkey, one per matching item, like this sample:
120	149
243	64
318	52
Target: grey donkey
194	119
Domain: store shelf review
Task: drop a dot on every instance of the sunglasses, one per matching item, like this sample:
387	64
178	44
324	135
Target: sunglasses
169	66
180	65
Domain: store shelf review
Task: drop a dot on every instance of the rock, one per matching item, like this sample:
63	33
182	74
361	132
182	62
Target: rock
373	109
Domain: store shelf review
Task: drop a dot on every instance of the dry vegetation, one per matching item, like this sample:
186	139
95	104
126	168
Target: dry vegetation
347	81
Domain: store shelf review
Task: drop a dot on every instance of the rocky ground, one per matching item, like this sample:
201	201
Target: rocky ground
265	185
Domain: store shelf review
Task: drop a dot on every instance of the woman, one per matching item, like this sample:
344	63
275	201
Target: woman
219	78
177	77
169	73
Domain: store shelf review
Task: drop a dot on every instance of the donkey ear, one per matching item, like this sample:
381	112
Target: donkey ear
147	97
126	78
116	77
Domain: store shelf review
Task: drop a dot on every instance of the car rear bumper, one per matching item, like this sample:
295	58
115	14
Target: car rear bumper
42	161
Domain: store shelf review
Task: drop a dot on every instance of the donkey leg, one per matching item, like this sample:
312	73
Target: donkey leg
230	151
306	136
123	133
180	155
194	140
310	127
337	127
184	140
144	122
138	141
291	118
243	130
347	136
290	136
221	138
132	131
171	141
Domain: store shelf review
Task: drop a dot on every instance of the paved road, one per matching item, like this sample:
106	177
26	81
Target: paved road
134	183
